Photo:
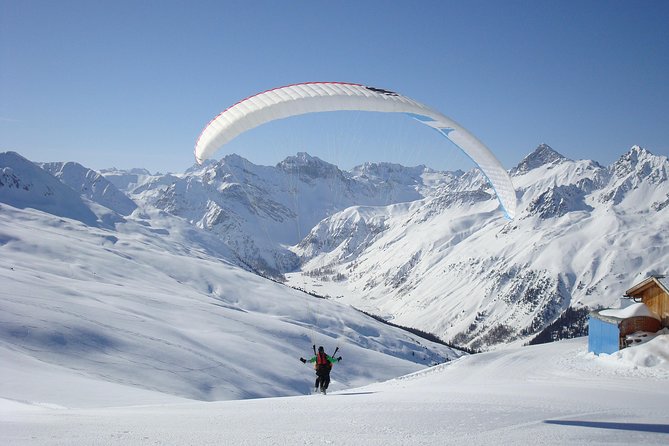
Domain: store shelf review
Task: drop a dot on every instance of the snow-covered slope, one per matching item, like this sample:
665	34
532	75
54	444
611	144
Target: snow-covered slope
152	301
154	304
110	327
553	394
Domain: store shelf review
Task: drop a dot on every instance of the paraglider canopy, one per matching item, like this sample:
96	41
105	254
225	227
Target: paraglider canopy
314	97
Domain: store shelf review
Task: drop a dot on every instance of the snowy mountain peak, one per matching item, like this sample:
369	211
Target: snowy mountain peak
543	155
638	152
198	167
92	185
133	171
232	160
309	166
639	173
642	164
390	172
640	161
23	185
125	180
383	169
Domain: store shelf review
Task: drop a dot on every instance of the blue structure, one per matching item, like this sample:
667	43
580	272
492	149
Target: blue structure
603	334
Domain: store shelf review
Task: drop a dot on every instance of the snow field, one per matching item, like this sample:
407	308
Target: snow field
118	330
542	394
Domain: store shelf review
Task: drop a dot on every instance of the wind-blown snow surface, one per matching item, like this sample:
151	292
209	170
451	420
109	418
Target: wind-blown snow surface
152	301
151	305
552	394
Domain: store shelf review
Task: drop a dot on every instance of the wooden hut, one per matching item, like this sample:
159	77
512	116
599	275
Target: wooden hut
608	329
654	292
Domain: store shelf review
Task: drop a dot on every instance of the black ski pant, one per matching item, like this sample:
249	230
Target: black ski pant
322	377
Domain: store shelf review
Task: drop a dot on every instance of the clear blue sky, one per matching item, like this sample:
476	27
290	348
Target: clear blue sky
132	83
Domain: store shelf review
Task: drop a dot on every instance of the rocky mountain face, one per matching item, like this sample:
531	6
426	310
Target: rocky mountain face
430	250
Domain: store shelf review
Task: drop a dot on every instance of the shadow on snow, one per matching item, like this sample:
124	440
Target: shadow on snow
640	427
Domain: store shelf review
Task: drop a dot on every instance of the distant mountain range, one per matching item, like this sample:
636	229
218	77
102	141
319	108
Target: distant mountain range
419	247
452	265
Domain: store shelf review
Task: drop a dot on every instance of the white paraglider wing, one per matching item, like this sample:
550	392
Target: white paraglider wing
333	96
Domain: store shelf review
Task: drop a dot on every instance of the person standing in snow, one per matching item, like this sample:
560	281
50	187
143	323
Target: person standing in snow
322	364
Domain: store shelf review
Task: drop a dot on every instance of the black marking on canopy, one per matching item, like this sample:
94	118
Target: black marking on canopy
382	91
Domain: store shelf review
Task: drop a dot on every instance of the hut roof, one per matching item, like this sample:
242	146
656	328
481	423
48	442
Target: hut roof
634	310
660	281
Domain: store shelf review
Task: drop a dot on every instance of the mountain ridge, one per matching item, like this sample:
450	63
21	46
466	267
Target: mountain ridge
432	250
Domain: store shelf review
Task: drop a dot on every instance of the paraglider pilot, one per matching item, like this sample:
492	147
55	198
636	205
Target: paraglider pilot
322	364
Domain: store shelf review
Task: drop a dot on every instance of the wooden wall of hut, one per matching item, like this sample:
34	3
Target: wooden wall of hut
658	302
638	323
